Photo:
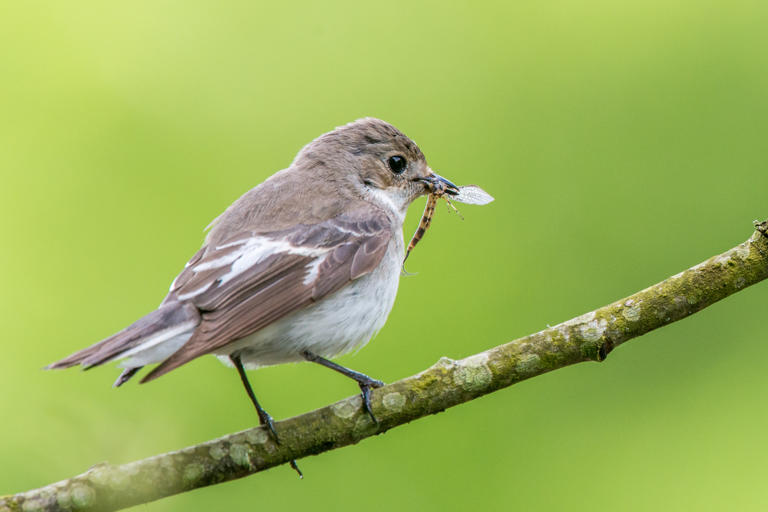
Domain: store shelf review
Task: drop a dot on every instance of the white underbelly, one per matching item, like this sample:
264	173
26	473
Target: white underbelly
337	324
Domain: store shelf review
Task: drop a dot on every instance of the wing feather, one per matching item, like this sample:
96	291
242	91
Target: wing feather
252	281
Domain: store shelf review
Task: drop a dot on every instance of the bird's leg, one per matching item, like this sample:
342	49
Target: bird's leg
264	417
365	382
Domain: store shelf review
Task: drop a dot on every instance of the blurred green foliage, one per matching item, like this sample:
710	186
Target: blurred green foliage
624	142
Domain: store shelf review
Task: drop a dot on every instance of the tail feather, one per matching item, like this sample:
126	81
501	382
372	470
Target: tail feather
169	317
126	376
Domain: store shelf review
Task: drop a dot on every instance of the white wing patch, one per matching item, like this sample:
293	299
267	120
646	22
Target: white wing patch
313	268
218	262
258	248
195	292
251	252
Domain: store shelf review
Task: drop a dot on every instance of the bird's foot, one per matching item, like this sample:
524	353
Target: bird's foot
266	420
366	385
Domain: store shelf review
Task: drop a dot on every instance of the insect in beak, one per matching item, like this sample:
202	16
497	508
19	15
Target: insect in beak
439	187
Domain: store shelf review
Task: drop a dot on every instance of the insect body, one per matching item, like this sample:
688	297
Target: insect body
426	220
470	194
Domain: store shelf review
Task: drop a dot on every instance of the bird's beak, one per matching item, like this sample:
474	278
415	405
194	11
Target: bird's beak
438	185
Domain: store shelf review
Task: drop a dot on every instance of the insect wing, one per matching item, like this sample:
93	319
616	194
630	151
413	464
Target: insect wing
472	194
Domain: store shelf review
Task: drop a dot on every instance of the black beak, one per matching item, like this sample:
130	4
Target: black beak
438	185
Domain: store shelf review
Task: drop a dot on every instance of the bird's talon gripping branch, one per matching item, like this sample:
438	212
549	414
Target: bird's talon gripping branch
366	385
267	421
366	391
365	382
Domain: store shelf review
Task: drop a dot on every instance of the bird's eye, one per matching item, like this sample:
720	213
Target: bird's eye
397	164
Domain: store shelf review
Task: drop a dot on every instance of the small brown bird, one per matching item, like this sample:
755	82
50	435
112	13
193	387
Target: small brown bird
305	266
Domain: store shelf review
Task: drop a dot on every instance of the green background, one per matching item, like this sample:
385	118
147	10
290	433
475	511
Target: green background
623	141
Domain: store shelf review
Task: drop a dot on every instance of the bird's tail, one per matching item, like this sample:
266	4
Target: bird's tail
150	339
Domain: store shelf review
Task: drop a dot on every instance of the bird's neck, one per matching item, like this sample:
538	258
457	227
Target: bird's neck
393	204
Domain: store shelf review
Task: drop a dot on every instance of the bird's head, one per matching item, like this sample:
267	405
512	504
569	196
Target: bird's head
377	161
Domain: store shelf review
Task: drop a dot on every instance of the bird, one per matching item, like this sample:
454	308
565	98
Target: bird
303	267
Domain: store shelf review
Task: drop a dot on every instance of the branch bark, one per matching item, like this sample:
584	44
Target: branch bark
589	337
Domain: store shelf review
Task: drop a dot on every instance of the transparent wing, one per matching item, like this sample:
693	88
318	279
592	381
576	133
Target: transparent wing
472	194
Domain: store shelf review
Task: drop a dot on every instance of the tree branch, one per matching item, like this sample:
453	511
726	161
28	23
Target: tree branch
589	337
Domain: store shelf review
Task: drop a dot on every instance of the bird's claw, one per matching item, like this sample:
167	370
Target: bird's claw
365	388
267	421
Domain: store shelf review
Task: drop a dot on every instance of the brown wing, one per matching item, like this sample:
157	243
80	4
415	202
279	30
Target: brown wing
245	284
